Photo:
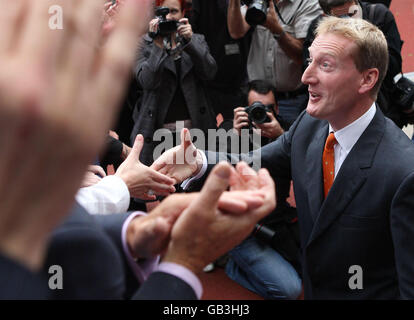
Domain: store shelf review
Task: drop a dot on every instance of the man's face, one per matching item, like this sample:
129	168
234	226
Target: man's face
176	12
333	79
266	99
350	9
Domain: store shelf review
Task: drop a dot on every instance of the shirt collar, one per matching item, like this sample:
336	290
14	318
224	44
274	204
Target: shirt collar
348	136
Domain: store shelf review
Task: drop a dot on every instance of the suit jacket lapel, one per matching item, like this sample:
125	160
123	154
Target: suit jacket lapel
186	64
314	171
351	176
169	64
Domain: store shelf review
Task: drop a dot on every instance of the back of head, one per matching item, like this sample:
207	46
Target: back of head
372	48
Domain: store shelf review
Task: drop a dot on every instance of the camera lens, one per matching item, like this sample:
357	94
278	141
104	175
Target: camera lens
256	12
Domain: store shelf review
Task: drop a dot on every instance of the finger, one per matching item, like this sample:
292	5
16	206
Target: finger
118	55
248	175
233	206
217	182
97	170
158	165
186	138
160	187
265	180
235	203
271	115
161	192
254	202
42	36
242	113
161	178
146	196
137	147
12	15
236	183
85	34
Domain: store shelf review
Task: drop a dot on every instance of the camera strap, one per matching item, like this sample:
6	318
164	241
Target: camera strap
181	43
291	18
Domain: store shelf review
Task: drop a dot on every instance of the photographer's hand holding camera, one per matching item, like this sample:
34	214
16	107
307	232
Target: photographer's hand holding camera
261	113
239	26
271	130
184	30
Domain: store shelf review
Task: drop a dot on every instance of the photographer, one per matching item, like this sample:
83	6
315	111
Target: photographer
264	93
276	47
170	69
267	262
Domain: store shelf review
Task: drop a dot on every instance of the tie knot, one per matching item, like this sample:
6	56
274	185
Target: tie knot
330	142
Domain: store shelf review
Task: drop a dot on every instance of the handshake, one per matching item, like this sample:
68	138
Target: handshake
215	219
60	92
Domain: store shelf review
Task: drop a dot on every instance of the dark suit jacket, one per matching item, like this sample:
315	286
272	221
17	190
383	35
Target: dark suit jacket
89	250
367	218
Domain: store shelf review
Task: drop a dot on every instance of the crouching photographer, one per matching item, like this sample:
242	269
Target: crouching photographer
267	262
170	69
261	116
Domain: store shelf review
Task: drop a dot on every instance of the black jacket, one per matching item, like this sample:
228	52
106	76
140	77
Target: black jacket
367	218
89	251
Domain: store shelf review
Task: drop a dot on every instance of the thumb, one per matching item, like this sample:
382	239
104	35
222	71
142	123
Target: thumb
185	138
137	148
217	182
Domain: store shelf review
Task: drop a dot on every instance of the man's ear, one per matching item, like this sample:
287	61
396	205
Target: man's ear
368	80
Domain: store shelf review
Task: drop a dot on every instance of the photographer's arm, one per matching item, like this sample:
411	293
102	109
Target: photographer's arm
237	25
291	46
150	64
204	63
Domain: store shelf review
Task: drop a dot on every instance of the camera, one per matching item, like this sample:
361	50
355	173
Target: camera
256	11
165	26
404	94
257	112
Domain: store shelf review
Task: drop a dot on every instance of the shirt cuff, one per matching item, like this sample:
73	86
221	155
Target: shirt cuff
110	195
186	183
184	274
143	268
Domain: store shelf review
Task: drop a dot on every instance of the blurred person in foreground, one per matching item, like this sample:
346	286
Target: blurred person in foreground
59	90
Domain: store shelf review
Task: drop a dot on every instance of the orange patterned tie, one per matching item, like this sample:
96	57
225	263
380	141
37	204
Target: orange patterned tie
328	159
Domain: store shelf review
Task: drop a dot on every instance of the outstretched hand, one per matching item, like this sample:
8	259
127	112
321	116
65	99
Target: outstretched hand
59	92
141	179
148	236
180	162
204	232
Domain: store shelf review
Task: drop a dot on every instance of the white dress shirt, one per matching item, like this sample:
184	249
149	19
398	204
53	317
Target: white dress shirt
348	136
110	195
